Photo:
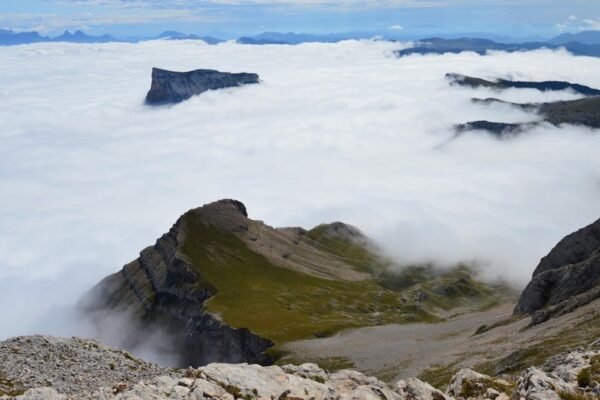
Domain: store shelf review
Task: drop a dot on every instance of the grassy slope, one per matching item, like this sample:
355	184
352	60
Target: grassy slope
285	305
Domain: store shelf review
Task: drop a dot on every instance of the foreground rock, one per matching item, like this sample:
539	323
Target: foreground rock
67	365
567	278
84	376
175	87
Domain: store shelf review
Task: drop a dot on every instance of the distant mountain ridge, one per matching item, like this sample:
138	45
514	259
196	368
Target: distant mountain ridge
482	46
584	37
586	43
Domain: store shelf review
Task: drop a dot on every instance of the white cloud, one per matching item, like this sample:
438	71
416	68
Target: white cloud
573	23
90	175
397	27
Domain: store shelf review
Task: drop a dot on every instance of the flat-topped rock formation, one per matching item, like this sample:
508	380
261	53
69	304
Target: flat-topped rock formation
170	87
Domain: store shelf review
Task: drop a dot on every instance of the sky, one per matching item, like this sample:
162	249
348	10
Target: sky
90	176
401	18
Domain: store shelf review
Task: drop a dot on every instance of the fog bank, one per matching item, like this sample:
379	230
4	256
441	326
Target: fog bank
90	176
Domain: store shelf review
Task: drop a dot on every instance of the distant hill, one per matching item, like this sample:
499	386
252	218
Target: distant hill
585	37
81	37
8	37
251	40
482	46
175	35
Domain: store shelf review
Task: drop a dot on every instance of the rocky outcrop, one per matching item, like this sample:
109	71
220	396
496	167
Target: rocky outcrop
163	290
60	368
582	112
500	84
175	87
501	130
567	278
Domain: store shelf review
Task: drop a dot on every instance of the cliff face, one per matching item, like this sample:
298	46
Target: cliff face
161	288
568	277
175	87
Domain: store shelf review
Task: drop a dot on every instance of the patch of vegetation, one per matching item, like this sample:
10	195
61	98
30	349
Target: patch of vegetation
281	304
478	387
439	376
576	396
329	364
10	388
573	336
590	374
359	255
584	378
502	322
284	305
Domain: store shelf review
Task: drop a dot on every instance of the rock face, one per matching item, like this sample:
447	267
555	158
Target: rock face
175	87
161	288
567	278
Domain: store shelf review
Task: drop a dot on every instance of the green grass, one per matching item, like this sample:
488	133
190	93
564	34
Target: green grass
329	364
439	376
355	254
535	355
281	304
285	305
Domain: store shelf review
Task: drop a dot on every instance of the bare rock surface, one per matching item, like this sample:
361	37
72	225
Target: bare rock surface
79	370
67	365
567	278
175	87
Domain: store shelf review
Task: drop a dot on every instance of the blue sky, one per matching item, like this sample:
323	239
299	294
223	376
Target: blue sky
517	18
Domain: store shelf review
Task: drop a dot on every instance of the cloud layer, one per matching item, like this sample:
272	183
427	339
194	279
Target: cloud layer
90	175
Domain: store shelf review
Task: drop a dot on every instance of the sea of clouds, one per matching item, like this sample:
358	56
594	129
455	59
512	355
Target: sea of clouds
89	175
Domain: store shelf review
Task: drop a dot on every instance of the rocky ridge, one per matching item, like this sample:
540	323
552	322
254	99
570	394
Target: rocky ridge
483	46
501	84
567	278
574	373
174	87
582	112
225	288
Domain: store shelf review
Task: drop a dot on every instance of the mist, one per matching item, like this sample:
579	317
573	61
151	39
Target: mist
90	175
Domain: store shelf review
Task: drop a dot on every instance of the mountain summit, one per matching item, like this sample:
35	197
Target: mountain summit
226	288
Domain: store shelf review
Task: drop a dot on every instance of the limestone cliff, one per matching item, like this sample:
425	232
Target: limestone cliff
175	87
568	277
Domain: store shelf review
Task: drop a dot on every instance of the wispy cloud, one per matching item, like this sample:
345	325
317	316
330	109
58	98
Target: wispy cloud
573	23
